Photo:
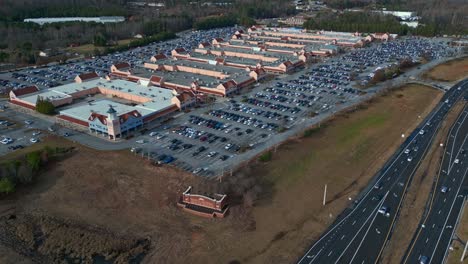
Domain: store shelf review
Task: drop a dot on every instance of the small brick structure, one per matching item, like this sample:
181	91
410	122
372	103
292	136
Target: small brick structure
214	207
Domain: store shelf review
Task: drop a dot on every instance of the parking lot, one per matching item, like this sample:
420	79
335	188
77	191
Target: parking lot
214	139
17	135
46	77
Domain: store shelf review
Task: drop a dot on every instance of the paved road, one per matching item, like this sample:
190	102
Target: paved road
434	236
360	233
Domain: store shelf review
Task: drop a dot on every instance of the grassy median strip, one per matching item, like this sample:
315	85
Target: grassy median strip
418	193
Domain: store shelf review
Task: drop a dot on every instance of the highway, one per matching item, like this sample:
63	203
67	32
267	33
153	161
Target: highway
434	235
361	232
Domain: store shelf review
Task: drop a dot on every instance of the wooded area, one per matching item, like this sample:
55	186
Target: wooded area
368	22
24	170
439	16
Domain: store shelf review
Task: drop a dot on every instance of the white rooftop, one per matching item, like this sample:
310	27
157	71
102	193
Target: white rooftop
158	99
83	112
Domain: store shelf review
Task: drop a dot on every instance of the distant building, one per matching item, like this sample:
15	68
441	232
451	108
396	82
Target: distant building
214	207
47	20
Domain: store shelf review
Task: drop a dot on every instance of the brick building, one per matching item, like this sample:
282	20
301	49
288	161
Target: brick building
215	206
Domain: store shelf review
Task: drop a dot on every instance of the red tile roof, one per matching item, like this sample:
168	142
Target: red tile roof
205	44
229	84
26	90
88	76
123	118
185	96
180	50
160	56
122	65
155	79
102	118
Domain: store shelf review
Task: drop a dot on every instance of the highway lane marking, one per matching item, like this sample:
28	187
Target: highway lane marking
330	253
432	200
359	231
455	137
316	255
364	238
459	150
353	222
404	191
448	215
453	229
429	119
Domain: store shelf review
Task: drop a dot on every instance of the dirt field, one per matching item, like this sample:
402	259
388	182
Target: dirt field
418	193
462	232
132	199
449	72
89	48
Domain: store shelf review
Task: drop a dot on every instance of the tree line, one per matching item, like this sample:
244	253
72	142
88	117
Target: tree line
373	22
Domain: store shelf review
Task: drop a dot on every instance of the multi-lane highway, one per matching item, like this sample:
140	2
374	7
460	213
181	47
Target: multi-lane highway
360	233
435	233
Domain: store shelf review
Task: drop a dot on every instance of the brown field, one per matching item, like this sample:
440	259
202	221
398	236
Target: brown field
450	71
280	217
90	48
418	193
462	232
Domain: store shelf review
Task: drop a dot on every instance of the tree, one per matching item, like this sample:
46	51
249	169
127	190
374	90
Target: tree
33	160
100	40
44	106
4	56
6	186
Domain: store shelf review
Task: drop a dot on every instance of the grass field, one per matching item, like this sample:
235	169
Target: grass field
129	196
450	71
418	193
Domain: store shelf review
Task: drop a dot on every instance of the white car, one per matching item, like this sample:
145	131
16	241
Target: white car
33	140
28	122
407	151
384	211
36	133
410	159
152	134
456	161
444	189
421	132
141	141
6	140
160	136
197	170
212	154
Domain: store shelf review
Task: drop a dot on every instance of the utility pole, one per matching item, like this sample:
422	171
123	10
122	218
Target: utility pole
325	195
464	251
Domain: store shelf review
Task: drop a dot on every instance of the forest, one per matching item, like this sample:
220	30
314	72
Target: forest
22	41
